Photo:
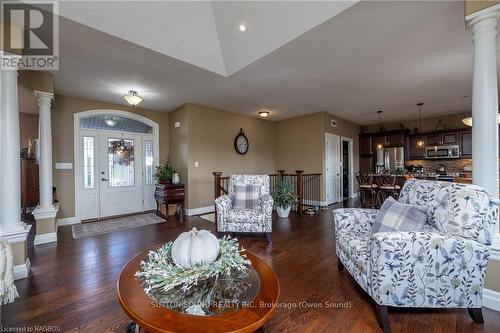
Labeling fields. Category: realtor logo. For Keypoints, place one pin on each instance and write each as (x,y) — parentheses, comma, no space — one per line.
(30,35)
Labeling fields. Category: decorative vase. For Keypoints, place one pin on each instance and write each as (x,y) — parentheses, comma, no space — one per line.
(164,181)
(283,211)
(176,179)
(195,247)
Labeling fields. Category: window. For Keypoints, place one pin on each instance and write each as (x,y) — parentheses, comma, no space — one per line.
(88,162)
(148,162)
(121,162)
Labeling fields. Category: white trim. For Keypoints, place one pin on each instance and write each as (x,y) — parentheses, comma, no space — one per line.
(45,238)
(307,202)
(21,271)
(495,247)
(200,210)
(491,299)
(39,214)
(484,11)
(76,135)
(67,221)
(17,235)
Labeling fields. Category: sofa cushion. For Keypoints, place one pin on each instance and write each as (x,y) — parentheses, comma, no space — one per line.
(244,215)
(396,216)
(246,196)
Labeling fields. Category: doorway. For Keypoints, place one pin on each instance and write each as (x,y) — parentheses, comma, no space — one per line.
(347,168)
(333,191)
(115,156)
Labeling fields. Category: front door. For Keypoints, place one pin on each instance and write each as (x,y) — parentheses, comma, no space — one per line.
(120,173)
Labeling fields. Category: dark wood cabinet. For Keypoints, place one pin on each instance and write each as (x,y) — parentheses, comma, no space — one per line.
(378,141)
(434,139)
(365,145)
(29,184)
(451,138)
(396,139)
(366,164)
(414,151)
(170,194)
(466,144)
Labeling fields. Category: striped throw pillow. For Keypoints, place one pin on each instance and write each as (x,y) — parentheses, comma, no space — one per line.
(246,196)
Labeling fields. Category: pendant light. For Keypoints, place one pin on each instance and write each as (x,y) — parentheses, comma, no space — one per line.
(380,128)
(420,141)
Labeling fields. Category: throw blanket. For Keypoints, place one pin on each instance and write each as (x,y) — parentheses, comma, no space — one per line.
(8,291)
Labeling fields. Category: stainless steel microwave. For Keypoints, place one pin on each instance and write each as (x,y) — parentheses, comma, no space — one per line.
(436,152)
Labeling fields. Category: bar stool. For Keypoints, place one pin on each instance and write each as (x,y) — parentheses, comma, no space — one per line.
(388,186)
(367,189)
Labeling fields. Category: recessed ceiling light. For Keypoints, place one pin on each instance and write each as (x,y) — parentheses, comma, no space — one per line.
(264,114)
(243,28)
(133,98)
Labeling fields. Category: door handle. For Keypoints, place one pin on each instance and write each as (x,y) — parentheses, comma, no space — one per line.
(104,179)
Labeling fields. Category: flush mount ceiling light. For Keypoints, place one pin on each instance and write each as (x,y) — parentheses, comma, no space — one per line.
(133,98)
(243,28)
(264,114)
(468,120)
(110,122)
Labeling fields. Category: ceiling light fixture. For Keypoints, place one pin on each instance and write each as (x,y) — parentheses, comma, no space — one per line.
(133,98)
(243,28)
(420,141)
(468,120)
(380,128)
(264,114)
(110,122)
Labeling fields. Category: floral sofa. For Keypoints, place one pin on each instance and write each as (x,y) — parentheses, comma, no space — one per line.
(230,219)
(443,266)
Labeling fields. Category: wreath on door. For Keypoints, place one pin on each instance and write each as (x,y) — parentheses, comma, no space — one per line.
(122,151)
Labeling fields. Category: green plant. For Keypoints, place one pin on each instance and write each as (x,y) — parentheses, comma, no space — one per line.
(398,171)
(164,171)
(283,195)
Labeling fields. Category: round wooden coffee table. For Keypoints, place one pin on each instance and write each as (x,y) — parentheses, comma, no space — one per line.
(141,309)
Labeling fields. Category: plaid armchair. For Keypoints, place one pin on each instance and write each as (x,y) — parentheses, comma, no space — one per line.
(443,266)
(233,218)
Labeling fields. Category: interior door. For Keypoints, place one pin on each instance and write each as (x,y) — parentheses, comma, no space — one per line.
(333,168)
(120,173)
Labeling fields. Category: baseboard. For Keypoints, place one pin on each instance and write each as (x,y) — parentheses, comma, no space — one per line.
(314,203)
(21,271)
(46,238)
(491,299)
(200,210)
(67,221)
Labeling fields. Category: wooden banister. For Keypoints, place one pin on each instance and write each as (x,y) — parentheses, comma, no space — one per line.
(300,196)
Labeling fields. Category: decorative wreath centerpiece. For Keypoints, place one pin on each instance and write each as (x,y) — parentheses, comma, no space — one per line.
(195,256)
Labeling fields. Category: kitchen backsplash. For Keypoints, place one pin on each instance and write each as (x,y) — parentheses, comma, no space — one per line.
(452,166)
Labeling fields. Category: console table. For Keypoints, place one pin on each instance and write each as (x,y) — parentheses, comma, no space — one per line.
(170,194)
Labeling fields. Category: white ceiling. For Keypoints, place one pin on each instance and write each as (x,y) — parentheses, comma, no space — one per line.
(372,55)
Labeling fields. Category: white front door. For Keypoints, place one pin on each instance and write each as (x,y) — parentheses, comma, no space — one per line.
(120,173)
(332,169)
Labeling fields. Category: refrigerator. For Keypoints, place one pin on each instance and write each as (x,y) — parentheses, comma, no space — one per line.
(389,159)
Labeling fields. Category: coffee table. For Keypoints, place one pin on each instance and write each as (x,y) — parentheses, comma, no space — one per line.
(150,316)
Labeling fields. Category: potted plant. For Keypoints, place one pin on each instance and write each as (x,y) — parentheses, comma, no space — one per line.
(164,173)
(284,198)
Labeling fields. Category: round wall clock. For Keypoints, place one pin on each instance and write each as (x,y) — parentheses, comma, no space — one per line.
(241,143)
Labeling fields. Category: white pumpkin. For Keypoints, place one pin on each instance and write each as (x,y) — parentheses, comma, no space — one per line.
(195,247)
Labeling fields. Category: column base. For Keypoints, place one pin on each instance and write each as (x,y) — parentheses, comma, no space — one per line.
(16,236)
(46,225)
(21,271)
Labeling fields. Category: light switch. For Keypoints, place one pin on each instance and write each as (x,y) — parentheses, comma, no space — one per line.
(195,164)
(177,124)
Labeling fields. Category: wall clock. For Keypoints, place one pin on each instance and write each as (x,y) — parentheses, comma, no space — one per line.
(241,143)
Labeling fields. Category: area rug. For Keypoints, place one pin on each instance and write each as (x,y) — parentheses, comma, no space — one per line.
(106,226)
(209,217)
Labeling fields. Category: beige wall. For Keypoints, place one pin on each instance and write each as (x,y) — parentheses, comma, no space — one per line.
(472,6)
(36,80)
(62,138)
(211,144)
(179,143)
(492,276)
(28,126)
(428,124)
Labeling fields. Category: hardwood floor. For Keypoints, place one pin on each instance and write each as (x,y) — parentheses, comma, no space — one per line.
(72,285)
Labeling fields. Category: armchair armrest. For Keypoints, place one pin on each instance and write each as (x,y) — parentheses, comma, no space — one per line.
(354,219)
(266,203)
(423,269)
(222,205)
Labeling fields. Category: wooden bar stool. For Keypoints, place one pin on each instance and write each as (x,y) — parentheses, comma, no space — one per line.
(388,186)
(367,189)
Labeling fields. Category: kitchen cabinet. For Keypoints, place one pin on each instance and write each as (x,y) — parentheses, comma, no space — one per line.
(451,138)
(378,141)
(365,145)
(366,164)
(434,139)
(415,152)
(466,144)
(396,139)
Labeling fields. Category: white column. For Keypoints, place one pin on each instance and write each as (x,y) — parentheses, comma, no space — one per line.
(11,226)
(45,135)
(485,172)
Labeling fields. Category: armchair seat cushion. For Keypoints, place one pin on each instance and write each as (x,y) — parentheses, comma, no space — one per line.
(244,215)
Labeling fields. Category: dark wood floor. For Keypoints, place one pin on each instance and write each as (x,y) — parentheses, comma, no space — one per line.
(72,284)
